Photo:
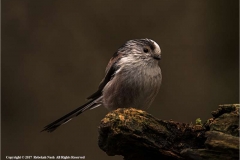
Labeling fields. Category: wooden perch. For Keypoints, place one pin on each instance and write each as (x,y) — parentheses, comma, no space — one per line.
(137,135)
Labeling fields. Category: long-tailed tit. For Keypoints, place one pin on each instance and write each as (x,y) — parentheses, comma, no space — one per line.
(132,79)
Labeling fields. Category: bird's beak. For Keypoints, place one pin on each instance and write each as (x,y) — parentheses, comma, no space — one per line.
(157,56)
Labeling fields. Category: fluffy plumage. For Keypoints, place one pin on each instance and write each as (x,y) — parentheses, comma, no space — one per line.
(132,79)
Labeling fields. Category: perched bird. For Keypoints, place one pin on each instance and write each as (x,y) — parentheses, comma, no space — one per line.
(132,79)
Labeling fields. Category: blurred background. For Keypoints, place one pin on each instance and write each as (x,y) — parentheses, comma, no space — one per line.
(54,55)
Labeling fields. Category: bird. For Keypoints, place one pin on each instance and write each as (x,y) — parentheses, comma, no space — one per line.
(132,80)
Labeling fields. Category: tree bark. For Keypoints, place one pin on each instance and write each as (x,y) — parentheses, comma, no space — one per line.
(135,134)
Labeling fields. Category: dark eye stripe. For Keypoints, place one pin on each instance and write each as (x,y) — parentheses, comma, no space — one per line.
(152,46)
(148,42)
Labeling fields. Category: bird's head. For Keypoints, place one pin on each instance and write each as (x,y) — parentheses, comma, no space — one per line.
(142,48)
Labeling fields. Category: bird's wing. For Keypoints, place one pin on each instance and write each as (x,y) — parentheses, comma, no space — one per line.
(110,72)
(96,98)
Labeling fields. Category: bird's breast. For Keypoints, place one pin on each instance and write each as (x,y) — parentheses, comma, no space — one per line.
(132,87)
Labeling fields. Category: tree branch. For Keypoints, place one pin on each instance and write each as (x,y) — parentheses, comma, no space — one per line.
(135,134)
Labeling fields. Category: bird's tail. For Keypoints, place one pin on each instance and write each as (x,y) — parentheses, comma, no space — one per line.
(89,105)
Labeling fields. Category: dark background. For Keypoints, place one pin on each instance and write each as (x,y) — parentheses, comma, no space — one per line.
(54,54)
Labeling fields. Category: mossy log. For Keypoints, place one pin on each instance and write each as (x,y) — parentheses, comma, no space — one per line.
(137,135)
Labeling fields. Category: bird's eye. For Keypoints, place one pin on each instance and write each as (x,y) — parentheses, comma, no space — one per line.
(145,50)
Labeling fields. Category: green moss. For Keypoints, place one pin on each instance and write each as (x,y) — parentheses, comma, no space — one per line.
(198,121)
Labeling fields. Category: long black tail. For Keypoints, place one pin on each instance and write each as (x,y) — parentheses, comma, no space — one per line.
(89,105)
